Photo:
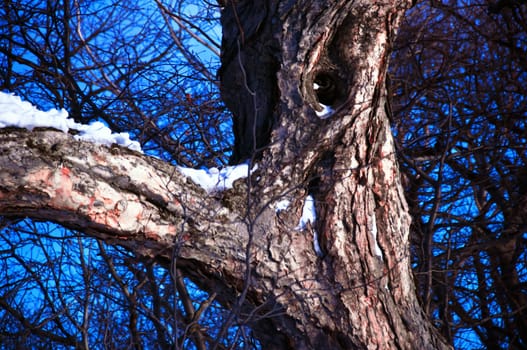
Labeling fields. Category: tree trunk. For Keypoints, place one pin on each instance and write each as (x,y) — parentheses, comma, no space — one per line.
(332,53)
(262,265)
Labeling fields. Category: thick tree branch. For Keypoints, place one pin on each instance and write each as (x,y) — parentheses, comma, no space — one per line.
(118,195)
(147,206)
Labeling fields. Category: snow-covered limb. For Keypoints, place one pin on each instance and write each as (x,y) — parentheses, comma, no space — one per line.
(17,113)
(21,114)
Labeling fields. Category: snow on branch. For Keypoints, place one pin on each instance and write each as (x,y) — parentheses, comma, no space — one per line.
(217,180)
(17,113)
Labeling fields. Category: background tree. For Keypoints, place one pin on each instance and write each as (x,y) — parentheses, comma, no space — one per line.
(459,89)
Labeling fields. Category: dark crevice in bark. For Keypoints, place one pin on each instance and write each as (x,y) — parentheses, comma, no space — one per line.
(249,62)
(320,187)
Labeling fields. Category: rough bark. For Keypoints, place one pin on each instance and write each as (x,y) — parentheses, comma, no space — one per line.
(360,295)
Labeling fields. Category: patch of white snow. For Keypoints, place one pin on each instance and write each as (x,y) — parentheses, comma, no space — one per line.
(21,114)
(282,205)
(325,113)
(309,215)
(217,180)
(316,244)
(378,250)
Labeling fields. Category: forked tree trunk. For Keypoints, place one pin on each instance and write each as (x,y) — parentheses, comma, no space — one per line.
(359,294)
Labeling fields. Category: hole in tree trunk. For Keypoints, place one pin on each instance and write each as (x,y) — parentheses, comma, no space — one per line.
(325,88)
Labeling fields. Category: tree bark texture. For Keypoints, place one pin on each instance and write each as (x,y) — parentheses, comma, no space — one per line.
(360,294)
